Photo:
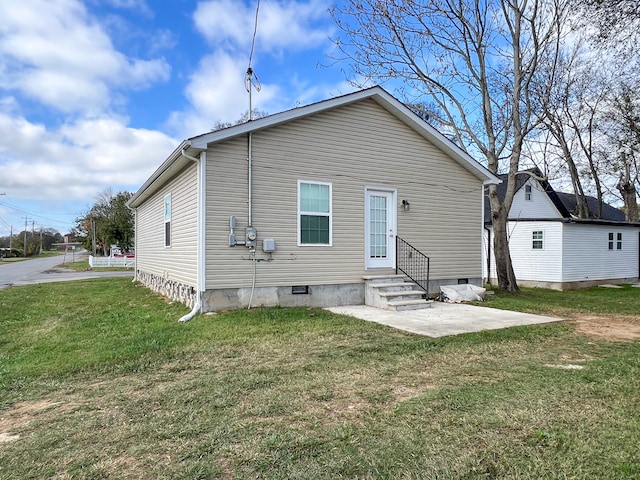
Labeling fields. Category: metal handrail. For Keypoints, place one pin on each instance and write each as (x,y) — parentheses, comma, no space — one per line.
(413,263)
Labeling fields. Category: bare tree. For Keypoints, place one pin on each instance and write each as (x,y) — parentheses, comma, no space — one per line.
(475,60)
(571,112)
(626,127)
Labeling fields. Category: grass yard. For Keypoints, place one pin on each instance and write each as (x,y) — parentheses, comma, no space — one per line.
(99,380)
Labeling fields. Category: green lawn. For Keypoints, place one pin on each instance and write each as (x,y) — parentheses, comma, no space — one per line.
(99,380)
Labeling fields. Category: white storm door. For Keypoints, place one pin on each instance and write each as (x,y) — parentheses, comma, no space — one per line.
(380,229)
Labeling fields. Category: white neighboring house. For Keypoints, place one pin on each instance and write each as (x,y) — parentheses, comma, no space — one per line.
(552,248)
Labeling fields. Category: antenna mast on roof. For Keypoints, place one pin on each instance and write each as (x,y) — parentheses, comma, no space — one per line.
(251,79)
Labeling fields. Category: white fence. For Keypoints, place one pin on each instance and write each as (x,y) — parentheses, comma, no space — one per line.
(125,262)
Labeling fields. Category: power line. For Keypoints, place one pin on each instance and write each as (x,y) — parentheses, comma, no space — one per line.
(20,210)
(255,31)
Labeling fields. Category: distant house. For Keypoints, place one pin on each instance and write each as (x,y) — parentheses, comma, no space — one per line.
(552,248)
(296,208)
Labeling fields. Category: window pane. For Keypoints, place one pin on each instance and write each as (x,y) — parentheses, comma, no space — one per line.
(314,229)
(537,237)
(314,198)
(378,227)
(167,208)
(167,234)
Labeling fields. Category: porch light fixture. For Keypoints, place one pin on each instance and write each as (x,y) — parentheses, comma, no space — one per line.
(406,205)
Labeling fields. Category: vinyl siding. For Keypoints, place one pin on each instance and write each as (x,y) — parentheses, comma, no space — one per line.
(178,262)
(540,206)
(587,255)
(352,147)
(533,265)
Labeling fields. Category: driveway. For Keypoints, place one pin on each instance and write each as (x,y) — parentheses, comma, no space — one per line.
(443,319)
(45,270)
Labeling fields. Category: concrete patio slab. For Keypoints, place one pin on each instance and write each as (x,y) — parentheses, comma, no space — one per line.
(444,319)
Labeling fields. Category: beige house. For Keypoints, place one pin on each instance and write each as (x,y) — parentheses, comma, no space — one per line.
(299,207)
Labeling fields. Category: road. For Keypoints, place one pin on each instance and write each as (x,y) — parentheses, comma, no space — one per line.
(44,270)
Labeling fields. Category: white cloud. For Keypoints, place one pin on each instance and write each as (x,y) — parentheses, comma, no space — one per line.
(215,92)
(65,59)
(139,5)
(77,160)
(290,24)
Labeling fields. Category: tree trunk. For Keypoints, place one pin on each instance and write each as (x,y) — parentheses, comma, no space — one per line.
(504,267)
(629,196)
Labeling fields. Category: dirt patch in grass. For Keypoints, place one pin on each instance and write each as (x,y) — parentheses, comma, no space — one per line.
(22,414)
(619,328)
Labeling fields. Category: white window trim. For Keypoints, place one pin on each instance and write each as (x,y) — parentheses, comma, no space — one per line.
(164,224)
(528,192)
(614,240)
(537,240)
(330,215)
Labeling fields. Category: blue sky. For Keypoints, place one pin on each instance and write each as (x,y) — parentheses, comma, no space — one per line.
(95,94)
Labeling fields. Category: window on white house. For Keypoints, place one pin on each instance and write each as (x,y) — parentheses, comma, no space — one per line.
(537,238)
(527,192)
(167,220)
(314,213)
(610,240)
(619,242)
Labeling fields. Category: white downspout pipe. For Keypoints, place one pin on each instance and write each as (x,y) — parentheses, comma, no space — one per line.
(201,164)
(250,180)
(135,239)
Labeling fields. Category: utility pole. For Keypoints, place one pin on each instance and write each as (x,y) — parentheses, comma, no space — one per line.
(92,226)
(10,237)
(25,237)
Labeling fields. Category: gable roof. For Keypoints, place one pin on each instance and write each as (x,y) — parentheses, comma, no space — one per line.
(178,160)
(565,203)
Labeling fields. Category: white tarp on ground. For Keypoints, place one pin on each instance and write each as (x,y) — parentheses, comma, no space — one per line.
(461,293)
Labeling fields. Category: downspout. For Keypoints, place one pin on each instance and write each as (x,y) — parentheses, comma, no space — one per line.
(485,184)
(250,180)
(135,239)
(488,254)
(201,165)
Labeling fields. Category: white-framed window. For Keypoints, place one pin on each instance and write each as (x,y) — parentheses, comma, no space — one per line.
(167,220)
(314,213)
(615,241)
(537,239)
(527,192)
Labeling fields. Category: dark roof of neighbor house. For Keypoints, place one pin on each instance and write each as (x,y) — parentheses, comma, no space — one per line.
(564,202)
(608,212)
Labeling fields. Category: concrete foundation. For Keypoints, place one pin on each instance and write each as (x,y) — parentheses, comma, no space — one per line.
(571,285)
(169,288)
(434,285)
(317,296)
(234,298)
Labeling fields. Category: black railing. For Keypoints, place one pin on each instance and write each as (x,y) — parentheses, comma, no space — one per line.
(413,263)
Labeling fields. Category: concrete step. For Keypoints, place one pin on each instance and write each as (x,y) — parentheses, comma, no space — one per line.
(403,305)
(393,292)
(376,279)
(398,295)
(393,286)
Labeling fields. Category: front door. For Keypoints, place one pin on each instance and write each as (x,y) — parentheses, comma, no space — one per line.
(380,229)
